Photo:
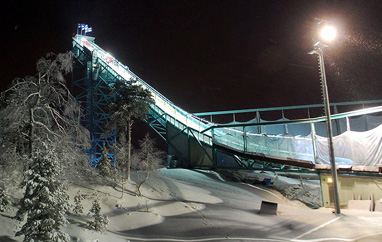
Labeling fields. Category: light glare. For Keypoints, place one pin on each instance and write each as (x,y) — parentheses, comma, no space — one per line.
(328,33)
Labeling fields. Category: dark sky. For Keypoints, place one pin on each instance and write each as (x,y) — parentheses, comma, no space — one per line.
(210,55)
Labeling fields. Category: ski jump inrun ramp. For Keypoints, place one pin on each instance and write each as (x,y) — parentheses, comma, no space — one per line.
(195,142)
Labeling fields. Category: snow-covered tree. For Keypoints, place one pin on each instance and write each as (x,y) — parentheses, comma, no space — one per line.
(4,199)
(41,107)
(11,163)
(78,207)
(147,158)
(120,151)
(104,163)
(132,102)
(100,221)
(40,123)
(38,110)
(45,200)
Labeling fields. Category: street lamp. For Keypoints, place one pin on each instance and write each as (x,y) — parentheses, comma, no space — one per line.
(326,35)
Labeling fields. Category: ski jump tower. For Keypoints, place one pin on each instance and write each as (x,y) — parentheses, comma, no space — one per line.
(195,142)
(180,129)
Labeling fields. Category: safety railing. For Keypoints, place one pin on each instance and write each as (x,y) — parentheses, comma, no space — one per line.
(175,115)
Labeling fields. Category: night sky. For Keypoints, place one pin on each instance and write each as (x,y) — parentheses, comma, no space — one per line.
(210,55)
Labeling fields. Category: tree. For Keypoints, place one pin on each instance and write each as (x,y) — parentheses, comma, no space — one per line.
(120,154)
(46,201)
(4,200)
(132,102)
(40,123)
(148,158)
(104,163)
(42,107)
(78,208)
(100,221)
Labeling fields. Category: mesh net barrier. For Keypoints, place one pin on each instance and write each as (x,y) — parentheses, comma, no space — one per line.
(356,141)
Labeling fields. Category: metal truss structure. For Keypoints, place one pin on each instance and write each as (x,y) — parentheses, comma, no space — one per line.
(93,93)
(192,141)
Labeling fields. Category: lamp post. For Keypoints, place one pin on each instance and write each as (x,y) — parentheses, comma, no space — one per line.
(327,34)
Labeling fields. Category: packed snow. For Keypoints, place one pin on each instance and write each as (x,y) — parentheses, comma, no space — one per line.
(197,205)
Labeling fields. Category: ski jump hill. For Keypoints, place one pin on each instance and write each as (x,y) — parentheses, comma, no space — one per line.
(195,141)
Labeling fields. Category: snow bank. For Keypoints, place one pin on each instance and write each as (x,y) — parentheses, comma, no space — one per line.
(184,205)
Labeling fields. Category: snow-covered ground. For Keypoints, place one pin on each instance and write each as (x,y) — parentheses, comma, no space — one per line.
(186,205)
(303,187)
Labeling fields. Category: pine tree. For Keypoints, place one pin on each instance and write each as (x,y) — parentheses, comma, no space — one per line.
(100,221)
(45,200)
(78,208)
(104,163)
(39,122)
(4,200)
(36,112)
(133,102)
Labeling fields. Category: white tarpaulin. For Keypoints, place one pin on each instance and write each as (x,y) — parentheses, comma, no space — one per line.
(350,147)
(353,148)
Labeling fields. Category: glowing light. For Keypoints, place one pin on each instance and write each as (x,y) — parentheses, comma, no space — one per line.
(330,180)
(328,33)
(86,43)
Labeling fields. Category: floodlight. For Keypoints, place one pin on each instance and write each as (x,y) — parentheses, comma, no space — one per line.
(328,33)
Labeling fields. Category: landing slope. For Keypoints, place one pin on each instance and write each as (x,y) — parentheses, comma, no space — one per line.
(186,205)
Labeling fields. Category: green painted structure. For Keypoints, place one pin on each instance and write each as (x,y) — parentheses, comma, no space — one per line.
(197,140)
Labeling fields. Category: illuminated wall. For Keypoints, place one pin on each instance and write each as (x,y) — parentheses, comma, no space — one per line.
(351,188)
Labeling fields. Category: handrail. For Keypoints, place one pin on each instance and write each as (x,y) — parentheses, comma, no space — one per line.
(285,108)
(101,55)
(297,121)
(99,49)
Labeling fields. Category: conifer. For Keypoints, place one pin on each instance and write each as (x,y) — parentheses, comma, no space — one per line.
(100,221)
(4,200)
